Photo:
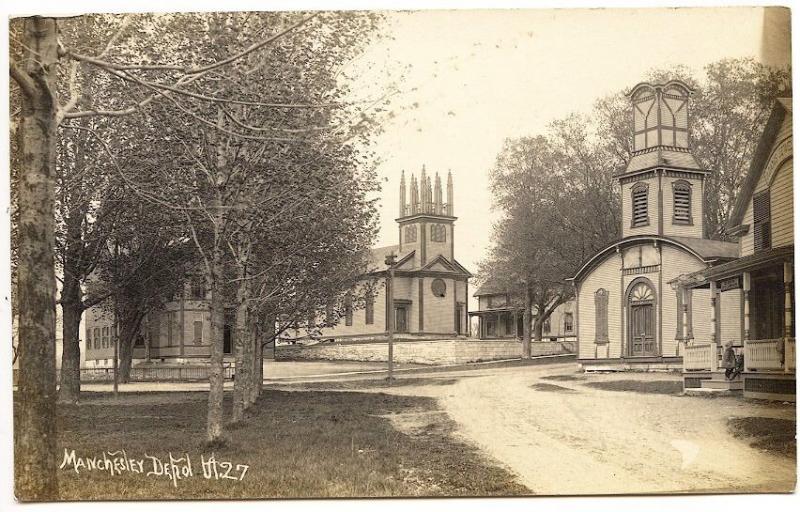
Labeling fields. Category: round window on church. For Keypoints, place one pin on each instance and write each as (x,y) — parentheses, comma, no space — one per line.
(438,288)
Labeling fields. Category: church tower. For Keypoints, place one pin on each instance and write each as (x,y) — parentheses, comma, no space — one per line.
(663,185)
(426,218)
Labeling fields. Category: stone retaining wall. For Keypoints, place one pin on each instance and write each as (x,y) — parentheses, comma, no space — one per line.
(422,352)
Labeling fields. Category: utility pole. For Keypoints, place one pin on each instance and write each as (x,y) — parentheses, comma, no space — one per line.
(390,261)
(116,322)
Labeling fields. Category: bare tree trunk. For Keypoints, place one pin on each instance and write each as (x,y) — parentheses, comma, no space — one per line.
(129,328)
(214,422)
(267,336)
(70,383)
(35,425)
(72,308)
(255,361)
(258,363)
(526,326)
(537,328)
(243,363)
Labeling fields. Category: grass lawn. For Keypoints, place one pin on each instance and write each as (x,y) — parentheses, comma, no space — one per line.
(295,444)
(774,435)
(658,387)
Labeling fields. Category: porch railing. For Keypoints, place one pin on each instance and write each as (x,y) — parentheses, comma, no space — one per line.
(697,357)
(762,355)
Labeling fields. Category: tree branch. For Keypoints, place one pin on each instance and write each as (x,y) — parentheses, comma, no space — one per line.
(24,80)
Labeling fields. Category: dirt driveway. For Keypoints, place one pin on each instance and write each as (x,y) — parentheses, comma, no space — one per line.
(563,436)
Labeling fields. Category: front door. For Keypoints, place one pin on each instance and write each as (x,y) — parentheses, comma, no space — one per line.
(643,342)
(641,321)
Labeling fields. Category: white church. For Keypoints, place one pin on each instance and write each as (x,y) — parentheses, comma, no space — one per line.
(629,315)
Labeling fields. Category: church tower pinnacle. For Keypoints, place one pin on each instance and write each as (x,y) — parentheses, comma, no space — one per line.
(403,193)
(449,209)
(426,220)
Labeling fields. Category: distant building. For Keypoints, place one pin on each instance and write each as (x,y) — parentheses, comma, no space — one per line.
(499,318)
(179,332)
(430,288)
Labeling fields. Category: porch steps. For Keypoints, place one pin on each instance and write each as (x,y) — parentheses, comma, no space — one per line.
(723,383)
(716,385)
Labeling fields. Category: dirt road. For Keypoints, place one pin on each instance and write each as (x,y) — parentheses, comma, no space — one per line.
(562,437)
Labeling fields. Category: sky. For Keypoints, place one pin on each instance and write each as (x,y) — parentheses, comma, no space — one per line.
(479,77)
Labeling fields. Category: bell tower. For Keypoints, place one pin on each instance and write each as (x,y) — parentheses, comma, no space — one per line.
(663,185)
(426,218)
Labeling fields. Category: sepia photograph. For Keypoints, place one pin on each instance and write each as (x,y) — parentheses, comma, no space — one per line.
(285,251)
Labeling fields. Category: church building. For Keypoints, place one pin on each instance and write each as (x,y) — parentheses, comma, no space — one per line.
(629,315)
(423,292)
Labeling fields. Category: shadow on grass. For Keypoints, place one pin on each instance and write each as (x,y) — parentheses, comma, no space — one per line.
(773,435)
(366,383)
(657,387)
(295,443)
(565,378)
(544,386)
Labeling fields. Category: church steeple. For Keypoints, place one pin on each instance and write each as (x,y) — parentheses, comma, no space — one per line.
(426,221)
(663,184)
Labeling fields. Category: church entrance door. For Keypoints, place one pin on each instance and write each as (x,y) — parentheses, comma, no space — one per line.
(641,321)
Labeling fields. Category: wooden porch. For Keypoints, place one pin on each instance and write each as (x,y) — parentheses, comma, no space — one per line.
(769,368)
(500,323)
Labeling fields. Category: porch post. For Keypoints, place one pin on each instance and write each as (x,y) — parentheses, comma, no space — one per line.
(787,309)
(787,299)
(684,317)
(713,326)
(746,294)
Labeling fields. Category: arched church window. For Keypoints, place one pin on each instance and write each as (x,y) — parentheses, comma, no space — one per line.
(601,316)
(411,233)
(438,233)
(639,215)
(681,202)
(438,288)
(641,292)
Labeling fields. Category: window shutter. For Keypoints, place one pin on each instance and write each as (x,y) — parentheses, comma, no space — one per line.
(761,221)
(348,311)
(369,309)
(601,316)
(682,203)
(640,206)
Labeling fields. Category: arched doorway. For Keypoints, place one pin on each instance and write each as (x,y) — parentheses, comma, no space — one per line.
(641,319)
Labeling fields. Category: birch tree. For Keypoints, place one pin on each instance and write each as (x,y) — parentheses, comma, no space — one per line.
(37,55)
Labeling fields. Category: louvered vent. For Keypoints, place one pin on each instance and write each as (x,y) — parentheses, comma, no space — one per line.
(761,224)
(682,201)
(640,206)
